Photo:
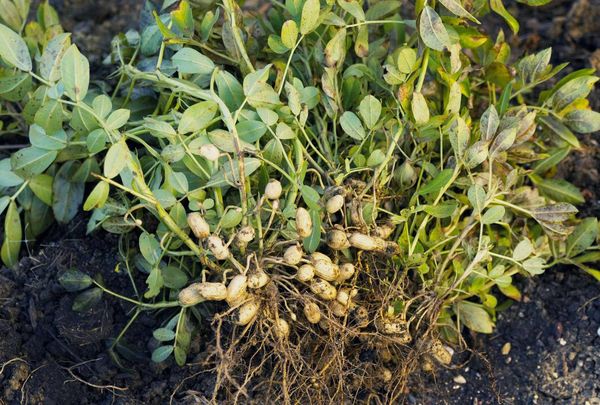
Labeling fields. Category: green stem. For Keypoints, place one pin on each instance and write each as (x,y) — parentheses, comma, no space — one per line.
(167,304)
(423,71)
(287,65)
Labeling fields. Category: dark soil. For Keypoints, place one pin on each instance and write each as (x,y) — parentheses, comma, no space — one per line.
(50,354)
(55,355)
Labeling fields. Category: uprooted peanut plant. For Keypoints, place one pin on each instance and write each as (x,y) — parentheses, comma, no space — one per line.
(339,188)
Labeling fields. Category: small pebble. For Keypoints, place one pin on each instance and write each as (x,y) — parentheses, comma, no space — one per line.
(459,379)
(506,348)
(562,341)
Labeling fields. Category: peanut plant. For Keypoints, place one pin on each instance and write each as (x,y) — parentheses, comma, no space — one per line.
(323,178)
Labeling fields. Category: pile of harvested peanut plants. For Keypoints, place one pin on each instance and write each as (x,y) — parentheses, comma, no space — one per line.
(337,187)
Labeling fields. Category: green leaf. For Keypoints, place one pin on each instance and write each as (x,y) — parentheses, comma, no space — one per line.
(354,8)
(311,242)
(67,196)
(311,197)
(310,16)
(150,248)
(97,197)
(556,156)
(492,215)
(161,353)
(231,218)
(13,49)
(74,280)
(224,140)
(583,121)
(52,56)
(432,30)
(7,177)
(154,282)
(474,317)
(116,159)
(523,250)
(442,210)
(190,61)
(420,109)
(229,90)
(534,265)
(197,117)
(96,140)
(50,116)
(268,116)
(13,233)
(578,87)
(39,138)
(229,174)
(250,131)
(376,158)
(498,7)
(503,141)
(41,185)
(15,87)
(370,110)
(159,129)
(75,72)
(163,334)
(582,237)
(456,8)
(276,44)
(477,197)
(87,299)
(289,33)
(174,277)
(178,182)
(459,135)
(489,123)
(352,126)
(438,183)
(117,119)
(102,105)
(407,59)
(4,201)
(561,130)
(30,161)
(283,131)
(558,190)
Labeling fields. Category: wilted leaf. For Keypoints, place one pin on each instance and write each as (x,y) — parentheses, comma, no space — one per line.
(474,317)
(74,280)
(87,300)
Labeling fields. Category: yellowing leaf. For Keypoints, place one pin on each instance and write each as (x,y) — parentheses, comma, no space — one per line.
(310,16)
(432,30)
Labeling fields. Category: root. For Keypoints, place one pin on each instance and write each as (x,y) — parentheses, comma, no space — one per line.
(111,388)
(340,359)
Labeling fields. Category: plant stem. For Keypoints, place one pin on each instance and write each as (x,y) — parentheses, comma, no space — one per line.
(423,71)
(167,304)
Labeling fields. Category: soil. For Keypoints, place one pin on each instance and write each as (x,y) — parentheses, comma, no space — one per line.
(50,354)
